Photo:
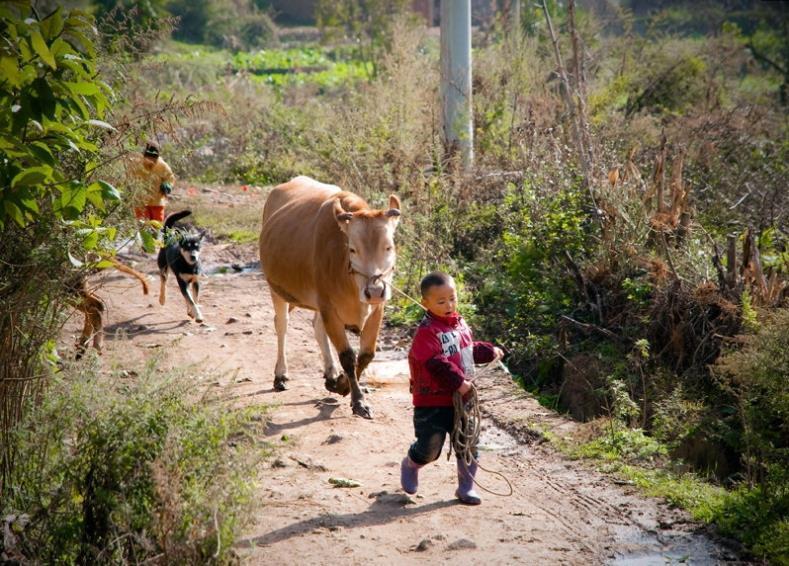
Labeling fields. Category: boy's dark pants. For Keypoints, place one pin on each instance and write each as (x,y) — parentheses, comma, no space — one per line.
(431,426)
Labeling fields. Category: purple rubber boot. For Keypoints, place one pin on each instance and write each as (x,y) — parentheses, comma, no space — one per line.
(409,475)
(465,491)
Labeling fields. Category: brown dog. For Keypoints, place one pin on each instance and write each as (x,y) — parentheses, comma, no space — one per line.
(91,305)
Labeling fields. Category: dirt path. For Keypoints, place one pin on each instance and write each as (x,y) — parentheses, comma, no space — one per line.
(560,512)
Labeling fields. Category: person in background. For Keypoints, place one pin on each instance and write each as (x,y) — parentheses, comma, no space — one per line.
(155,182)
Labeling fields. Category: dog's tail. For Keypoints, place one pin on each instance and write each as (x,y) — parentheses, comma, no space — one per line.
(134,273)
(175,217)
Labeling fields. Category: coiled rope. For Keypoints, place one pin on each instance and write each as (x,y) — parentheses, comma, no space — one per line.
(465,434)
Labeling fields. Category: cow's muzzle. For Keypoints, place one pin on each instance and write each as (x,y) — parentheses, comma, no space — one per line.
(376,290)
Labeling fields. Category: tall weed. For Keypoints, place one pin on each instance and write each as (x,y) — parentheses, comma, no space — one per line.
(120,471)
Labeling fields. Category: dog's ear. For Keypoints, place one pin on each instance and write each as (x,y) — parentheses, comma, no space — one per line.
(201,234)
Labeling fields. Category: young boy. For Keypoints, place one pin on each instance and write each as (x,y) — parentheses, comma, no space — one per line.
(156,180)
(441,361)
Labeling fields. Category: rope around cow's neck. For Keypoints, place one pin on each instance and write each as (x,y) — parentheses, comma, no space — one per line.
(465,434)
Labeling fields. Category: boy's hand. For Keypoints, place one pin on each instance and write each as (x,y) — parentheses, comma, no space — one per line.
(498,353)
(465,387)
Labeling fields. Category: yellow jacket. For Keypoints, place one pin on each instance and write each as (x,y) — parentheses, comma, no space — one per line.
(146,177)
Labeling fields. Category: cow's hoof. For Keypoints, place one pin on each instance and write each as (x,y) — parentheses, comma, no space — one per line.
(280,383)
(340,384)
(343,385)
(361,410)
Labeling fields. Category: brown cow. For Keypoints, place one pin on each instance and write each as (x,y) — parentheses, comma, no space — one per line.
(326,250)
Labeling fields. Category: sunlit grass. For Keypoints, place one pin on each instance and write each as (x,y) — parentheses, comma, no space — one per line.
(308,64)
(753,515)
(238,223)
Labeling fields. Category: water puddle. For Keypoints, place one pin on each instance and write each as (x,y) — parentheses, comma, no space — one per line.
(495,439)
(233,268)
(638,547)
(388,369)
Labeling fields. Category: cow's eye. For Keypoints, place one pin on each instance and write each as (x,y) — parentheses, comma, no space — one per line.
(352,250)
(389,248)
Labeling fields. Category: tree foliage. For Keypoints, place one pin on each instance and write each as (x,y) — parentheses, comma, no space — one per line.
(51,206)
(54,107)
(369,23)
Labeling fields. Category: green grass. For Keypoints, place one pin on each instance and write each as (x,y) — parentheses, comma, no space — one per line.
(624,444)
(755,516)
(305,65)
(243,236)
(322,66)
(240,224)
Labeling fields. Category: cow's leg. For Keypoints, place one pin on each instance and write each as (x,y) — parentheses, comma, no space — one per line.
(331,381)
(281,326)
(336,331)
(368,339)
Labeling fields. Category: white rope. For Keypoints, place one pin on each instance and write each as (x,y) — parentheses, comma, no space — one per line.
(465,434)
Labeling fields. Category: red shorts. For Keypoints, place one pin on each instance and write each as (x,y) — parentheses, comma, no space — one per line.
(150,213)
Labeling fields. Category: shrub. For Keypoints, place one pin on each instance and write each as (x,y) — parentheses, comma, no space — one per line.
(524,286)
(119,471)
(756,377)
(52,205)
(231,24)
(759,516)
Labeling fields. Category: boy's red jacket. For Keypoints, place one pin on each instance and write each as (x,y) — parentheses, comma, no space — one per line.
(442,355)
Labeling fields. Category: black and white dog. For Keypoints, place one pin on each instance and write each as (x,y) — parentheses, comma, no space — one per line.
(181,255)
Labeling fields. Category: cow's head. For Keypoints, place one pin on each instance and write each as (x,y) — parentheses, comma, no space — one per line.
(371,248)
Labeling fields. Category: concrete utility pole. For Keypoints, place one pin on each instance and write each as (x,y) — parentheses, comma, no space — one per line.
(457,124)
(515,17)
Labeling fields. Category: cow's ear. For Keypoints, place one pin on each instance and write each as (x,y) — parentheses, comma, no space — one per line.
(342,216)
(394,209)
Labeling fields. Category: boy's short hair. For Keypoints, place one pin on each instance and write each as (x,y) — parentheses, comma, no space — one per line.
(151,149)
(434,279)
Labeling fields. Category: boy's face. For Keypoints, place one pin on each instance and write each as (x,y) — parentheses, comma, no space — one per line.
(441,300)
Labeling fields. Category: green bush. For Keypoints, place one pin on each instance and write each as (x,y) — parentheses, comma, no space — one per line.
(524,287)
(53,207)
(119,471)
(230,24)
(756,377)
(759,516)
